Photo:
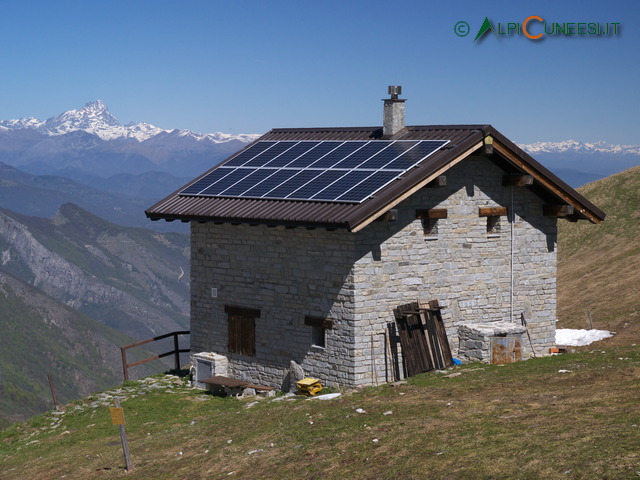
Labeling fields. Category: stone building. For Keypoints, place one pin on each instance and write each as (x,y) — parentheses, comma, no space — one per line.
(314,278)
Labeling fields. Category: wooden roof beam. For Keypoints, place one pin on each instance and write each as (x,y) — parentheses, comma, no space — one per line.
(558,210)
(439,181)
(517,180)
(432,213)
(390,215)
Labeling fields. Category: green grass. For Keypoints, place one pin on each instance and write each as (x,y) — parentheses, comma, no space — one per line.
(523,420)
(599,265)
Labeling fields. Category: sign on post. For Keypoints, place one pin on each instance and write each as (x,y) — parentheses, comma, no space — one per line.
(117,418)
(117,415)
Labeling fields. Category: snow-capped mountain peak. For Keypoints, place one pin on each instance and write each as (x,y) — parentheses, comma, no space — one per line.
(96,119)
(573,146)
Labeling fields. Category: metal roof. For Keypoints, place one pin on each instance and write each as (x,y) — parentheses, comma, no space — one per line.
(463,140)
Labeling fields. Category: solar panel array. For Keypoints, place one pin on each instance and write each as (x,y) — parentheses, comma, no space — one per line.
(328,171)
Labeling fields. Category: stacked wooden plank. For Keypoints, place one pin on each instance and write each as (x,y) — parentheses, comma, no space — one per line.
(423,337)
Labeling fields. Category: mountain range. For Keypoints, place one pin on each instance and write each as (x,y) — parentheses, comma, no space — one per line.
(42,336)
(579,163)
(89,143)
(92,141)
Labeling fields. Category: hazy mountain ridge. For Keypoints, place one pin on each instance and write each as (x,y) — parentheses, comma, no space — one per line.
(120,199)
(134,280)
(578,163)
(42,336)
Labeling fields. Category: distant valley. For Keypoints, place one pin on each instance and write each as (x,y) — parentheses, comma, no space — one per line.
(134,280)
(73,289)
(42,336)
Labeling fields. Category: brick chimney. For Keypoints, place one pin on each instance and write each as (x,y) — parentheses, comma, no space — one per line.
(393,112)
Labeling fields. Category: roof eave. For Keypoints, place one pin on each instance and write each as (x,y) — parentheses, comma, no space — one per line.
(246,221)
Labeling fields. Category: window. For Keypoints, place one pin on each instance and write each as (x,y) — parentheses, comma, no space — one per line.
(493,224)
(430,219)
(318,336)
(430,227)
(319,327)
(493,215)
(242,329)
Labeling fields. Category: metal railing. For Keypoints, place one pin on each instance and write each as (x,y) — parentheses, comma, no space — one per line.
(176,351)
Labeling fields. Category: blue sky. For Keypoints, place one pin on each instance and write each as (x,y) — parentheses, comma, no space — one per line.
(248,66)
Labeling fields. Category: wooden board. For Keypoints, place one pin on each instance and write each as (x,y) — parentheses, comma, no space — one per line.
(413,340)
(423,338)
(233,382)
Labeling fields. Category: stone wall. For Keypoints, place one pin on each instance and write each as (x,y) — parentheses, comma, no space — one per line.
(468,270)
(287,274)
(358,278)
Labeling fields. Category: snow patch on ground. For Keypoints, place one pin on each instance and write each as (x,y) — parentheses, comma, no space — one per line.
(578,338)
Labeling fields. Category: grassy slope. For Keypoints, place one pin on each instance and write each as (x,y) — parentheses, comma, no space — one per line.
(599,265)
(524,420)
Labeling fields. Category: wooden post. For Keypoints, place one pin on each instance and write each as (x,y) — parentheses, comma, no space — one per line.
(125,368)
(590,319)
(524,323)
(177,350)
(53,391)
(374,374)
(123,438)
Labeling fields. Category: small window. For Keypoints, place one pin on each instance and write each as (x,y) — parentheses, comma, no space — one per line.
(242,329)
(493,216)
(318,336)
(430,220)
(493,224)
(319,327)
(430,227)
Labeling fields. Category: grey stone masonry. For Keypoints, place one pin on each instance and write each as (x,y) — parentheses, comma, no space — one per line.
(356,279)
(287,274)
(475,339)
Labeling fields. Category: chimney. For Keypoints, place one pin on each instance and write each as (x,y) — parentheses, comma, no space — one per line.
(393,112)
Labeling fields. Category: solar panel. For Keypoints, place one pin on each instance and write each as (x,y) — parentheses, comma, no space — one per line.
(248,154)
(314,154)
(327,171)
(268,155)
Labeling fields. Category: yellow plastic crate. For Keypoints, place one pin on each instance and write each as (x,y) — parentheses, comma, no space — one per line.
(309,386)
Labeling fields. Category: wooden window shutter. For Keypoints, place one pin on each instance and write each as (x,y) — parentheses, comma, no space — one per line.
(242,330)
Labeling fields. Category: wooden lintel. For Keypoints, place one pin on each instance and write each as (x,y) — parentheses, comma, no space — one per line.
(388,216)
(431,213)
(517,180)
(557,210)
(439,181)
(493,211)
(319,322)
(246,312)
